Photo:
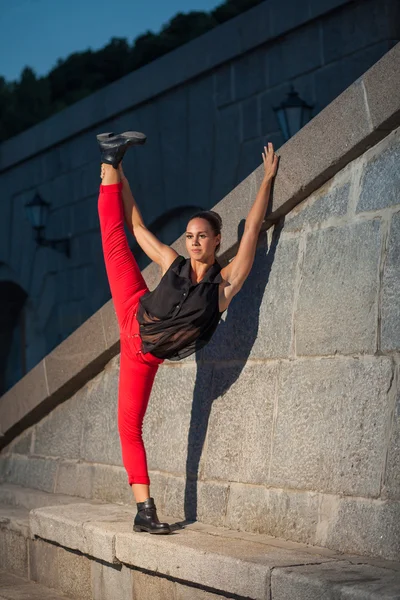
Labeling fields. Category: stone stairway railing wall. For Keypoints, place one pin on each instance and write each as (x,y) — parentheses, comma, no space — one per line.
(288,422)
(207,109)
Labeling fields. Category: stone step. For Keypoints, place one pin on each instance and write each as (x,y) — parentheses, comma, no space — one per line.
(16,495)
(13,587)
(89,551)
(216,559)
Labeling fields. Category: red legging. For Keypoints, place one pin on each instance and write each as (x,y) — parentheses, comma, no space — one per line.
(137,370)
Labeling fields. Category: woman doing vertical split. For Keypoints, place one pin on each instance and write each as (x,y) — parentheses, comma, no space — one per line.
(180,315)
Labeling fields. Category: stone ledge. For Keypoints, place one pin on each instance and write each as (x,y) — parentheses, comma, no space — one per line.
(233,38)
(211,557)
(360,117)
(13,587)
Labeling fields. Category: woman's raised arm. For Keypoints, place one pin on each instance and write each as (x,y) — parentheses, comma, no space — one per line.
(160,253)
(236,272)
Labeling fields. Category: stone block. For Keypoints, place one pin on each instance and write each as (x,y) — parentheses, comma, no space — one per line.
(226,143)
(59,434)
(251,120)
(171,431)
(332,79)
(355,27)
(75,356)
(335,413)
(281,513)
(89,528)
(191,499)
(110,484)
(382,89)
(36,473)
(55,567)
(339,579)
(391,482)
(111,581)
(13,553)
(233,429)
(337,305)
(100,442)
(110,324)
(380,183)
(369,528)
(223,85)
(232,566)
(303,44)
(185,592)
(329,201)
(200,124)
(283,19)
(258,322)
(172,114)
(21,444)
(308,161)
(75,479)
(150,586)
(250,74)
(250,157)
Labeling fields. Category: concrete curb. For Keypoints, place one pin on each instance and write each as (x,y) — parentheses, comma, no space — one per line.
(362,115)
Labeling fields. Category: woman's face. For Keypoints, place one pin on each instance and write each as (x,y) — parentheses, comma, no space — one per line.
(201,240)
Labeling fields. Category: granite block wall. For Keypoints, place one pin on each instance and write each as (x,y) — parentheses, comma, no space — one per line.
(288,422)
(207,115)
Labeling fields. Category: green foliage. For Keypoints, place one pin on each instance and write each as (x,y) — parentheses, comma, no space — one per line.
(30,99)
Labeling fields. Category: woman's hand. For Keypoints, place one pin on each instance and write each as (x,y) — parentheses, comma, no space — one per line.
(270,160)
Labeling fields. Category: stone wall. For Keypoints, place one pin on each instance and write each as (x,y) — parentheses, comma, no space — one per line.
(288,422)
(207,110)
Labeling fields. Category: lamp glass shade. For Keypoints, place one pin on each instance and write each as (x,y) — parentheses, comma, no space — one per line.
(37,211)
(292,114)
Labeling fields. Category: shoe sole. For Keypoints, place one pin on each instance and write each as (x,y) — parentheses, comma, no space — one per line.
(139,528)
(134,137)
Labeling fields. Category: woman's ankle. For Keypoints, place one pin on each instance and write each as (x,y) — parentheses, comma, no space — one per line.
(109,174)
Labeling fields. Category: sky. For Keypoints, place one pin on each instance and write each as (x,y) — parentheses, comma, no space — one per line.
(36,33)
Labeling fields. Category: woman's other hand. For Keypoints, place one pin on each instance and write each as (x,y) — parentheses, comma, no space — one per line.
(270,160)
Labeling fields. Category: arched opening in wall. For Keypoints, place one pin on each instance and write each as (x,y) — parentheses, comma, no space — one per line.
(167,228)
(13,360)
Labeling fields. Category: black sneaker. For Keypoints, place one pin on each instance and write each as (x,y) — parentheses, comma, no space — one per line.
(113,146)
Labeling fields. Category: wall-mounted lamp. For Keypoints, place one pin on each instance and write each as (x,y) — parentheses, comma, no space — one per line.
(37,211)
(292,114)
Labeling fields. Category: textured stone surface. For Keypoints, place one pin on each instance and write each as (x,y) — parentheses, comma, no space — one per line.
(19,588)
(37,473)
(356,527)
(13,552)
(169,425)
(60,433)
(239,433)
(191,499)
(61,569)
(152,587)
(232,566)
(258,322)
(319,207)
(337,305)
(100,442)
(332,581)
(391,484)
(390,308)
(380,184)
(284,514)
(335,414)
(89,528)
(111,582)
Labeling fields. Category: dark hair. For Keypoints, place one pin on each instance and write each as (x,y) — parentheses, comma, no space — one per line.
(213,219)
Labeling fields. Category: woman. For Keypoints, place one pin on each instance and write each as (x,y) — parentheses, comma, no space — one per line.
(180,315)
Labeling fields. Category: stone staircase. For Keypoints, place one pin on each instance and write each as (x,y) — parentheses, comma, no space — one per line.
(87,550)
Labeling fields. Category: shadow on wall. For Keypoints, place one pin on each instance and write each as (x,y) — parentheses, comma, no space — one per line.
(233,340)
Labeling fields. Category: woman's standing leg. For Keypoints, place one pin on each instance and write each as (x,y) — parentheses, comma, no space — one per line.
(127,285)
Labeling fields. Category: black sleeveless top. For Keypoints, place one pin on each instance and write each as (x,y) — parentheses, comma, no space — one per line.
(179,316)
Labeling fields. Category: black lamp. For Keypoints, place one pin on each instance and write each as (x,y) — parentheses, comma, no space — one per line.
(292,114)
(37,211)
